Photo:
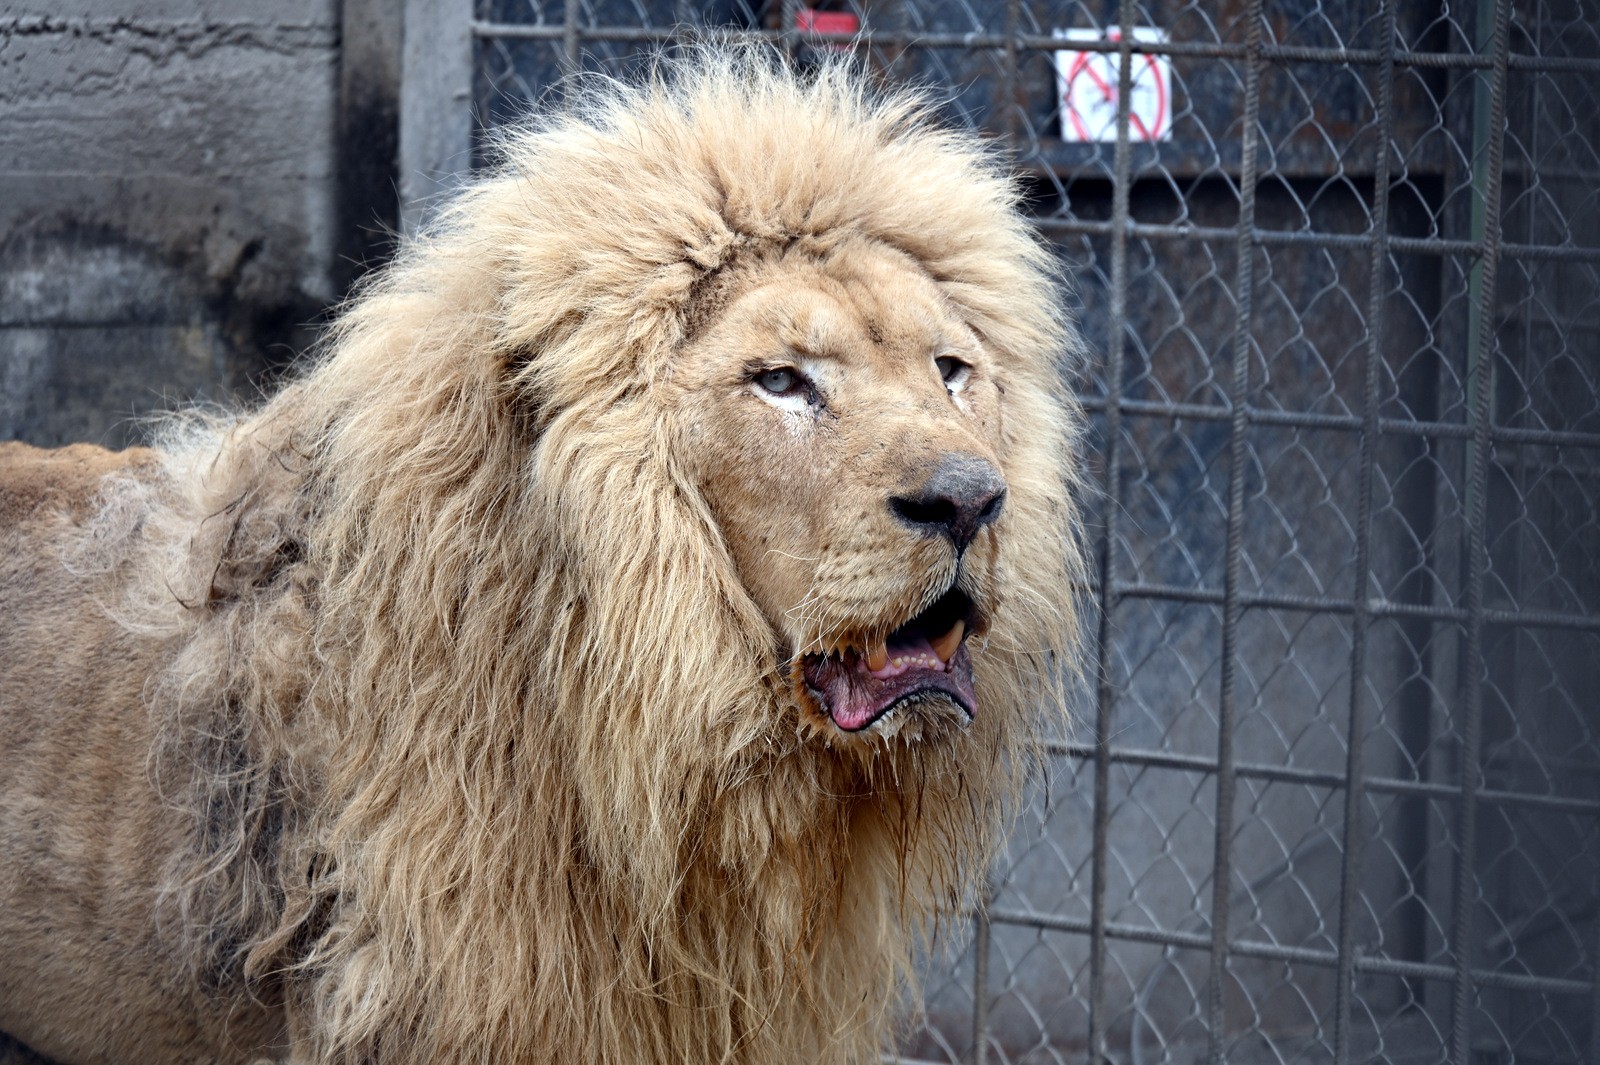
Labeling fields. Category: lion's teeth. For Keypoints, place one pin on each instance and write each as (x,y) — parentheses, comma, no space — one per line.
(877,656)
(945,646)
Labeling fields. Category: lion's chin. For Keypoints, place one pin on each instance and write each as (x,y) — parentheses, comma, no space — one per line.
(922,669)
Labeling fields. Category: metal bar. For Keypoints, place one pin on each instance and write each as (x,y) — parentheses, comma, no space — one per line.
(569,37)
(1361,616)
(979,1054)
(1105,693)
(980,982)
(1232,607)
(1594,1001)
(1178,593)
(788,36)
(1480,375)
(1010,75)
(1274,53)
(1252,948)
(1315,778)
(1315,239)
(1379,607)
(1309,420)
(1561,253)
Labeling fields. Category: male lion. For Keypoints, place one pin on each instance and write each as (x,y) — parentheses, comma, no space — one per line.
(621,645)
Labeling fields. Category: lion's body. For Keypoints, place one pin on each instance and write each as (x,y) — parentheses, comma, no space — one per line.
(451,706)
(85,846)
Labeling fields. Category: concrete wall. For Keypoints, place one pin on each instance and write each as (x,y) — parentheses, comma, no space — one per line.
(178,198)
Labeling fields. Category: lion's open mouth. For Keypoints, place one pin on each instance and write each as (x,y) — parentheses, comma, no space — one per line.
(924,659)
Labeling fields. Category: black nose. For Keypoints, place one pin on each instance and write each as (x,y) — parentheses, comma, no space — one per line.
(964,494)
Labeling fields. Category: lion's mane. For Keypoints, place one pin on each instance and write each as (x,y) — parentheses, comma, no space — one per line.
(474,720)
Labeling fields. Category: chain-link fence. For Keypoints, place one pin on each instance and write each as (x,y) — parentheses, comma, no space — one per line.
(1335,793)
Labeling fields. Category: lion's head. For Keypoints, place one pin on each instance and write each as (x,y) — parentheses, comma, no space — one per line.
(650,599)
(832,333)
(843,423)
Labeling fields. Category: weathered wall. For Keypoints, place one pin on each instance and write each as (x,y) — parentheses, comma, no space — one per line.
(172,220)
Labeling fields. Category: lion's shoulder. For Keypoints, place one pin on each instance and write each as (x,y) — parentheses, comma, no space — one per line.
(35,481)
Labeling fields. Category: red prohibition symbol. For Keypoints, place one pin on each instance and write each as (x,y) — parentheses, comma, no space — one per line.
(1105,83)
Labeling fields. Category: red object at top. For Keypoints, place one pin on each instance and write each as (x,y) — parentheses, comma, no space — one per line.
(814,21)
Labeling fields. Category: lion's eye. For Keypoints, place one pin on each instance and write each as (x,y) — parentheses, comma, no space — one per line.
(952,369)
(781,381)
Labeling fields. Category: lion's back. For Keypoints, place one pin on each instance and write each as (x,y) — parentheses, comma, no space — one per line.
(33,479)
(83,837)
(49,627)
(52,635)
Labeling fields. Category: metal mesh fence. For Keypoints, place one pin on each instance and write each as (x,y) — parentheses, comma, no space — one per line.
(1335,792)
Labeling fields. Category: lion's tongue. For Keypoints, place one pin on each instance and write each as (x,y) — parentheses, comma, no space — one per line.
(856,695)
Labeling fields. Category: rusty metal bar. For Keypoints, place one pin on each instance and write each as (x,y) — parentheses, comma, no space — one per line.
(1362,614)
(570,30)
(1232,606)
(980,981)
(1105,692)
(1010,75)
(1480,376)
(979,1054)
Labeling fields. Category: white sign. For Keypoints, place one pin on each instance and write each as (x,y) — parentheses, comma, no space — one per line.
(1087,84)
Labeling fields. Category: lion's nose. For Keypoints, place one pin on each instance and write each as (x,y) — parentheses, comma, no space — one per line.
(964,494)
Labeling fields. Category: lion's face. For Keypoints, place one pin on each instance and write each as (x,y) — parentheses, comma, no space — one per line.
(844,427)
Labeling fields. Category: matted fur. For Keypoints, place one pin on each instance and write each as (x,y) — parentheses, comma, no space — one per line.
(489,754)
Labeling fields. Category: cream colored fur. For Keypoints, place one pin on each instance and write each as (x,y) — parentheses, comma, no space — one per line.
(463,665)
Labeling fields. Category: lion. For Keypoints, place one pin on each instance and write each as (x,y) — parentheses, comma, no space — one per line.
(623,641)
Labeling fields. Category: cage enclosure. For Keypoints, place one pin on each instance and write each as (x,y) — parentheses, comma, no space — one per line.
(1333,793)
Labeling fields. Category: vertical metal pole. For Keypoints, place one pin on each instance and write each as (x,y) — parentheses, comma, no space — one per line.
(1594,998)
(569,38)
(1232,605)
(435,104)
(1528,680)
(1482,105)
(980,980)
(1479,380)
(1105,695)
(1009,75)
(1354,768)
(789,11)
(980,974)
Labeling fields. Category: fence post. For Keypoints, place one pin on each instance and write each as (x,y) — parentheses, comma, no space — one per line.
(435,104)
(1361,595)
(1233,605)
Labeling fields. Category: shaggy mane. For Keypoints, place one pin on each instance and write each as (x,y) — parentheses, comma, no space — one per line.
(474,720)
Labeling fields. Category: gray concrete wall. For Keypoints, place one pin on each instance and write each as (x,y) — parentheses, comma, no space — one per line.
(172,216)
